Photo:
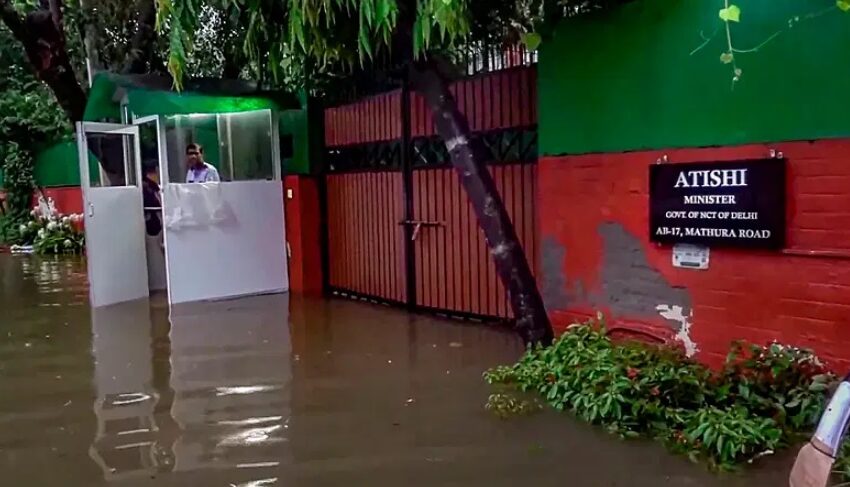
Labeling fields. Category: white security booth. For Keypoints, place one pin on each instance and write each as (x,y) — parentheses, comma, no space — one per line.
(218,239)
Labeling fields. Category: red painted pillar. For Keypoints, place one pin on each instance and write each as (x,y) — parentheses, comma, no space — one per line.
(301,197)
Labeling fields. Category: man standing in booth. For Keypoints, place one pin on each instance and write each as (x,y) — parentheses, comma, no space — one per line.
(199,171)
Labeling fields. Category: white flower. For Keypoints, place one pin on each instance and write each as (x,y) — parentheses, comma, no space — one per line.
(32,224)
(66,220)
(33,212)
(67,243)
(41,233)
(23,228)
(52,226)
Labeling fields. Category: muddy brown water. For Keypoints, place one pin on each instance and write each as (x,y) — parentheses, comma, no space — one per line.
(274,391)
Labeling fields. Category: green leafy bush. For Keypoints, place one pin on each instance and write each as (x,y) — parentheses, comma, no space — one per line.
(762,399)
(30,118)
(506,405)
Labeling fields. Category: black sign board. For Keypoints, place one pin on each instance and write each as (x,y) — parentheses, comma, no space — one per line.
(730,204)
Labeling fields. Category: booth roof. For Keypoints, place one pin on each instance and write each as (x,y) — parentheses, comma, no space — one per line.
(153,95)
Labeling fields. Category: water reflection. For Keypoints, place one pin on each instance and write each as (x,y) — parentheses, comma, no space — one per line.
(226,403)
(273,391)
(231,379)
(126,441)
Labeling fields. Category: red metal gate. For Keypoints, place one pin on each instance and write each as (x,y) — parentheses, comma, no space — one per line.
(454,271)
(400,228)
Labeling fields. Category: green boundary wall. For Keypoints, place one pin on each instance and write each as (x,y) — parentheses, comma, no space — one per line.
(628,79)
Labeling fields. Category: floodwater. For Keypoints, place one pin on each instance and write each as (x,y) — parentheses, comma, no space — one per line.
(275,391)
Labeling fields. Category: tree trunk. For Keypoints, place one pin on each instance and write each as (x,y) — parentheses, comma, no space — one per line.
(44,43)
(532,322)
(88,32)
(139,59)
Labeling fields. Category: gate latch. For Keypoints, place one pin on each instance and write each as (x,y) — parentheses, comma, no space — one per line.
(418,226)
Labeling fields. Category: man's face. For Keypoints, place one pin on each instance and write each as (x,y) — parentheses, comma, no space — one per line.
(194,157)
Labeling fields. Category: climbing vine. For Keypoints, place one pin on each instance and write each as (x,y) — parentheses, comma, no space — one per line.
(731,14)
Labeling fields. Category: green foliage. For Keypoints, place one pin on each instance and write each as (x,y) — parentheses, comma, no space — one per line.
(59,236)
(727,437)
(333,34)
(531,40)
(507,405)
(761,400)
(842,463)
(732,13)
(316,39)
(29,117)
(777,381)
(18,185)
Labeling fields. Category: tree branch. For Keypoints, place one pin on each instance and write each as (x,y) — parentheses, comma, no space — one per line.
(142,43)
(44,43)
(13,20)
(55,7)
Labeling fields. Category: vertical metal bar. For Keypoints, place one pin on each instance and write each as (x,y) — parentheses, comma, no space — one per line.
(445,174)
(418,248)
(229,124)
(479,273)
(274,134)
(371,181)
(379,256)
(353,226)
(346,208)
(432,196)
(463,240)
(491,110)
(426,242)
(366,225)
(386,230)
(399,263)
(360,225)
(407,191)
(519,216)
(324,248)
(375,239)
(392,221)
(331,242)
(325,232)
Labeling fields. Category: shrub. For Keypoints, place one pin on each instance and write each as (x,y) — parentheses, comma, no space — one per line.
(763,398)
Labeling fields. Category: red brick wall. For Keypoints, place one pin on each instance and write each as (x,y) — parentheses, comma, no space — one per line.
(595,254)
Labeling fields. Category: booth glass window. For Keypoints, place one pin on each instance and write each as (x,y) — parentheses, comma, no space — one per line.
(247,147)
(112,160)
(239,145)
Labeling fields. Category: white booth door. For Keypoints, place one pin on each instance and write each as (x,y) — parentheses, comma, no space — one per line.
(224,240)
(114,220)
